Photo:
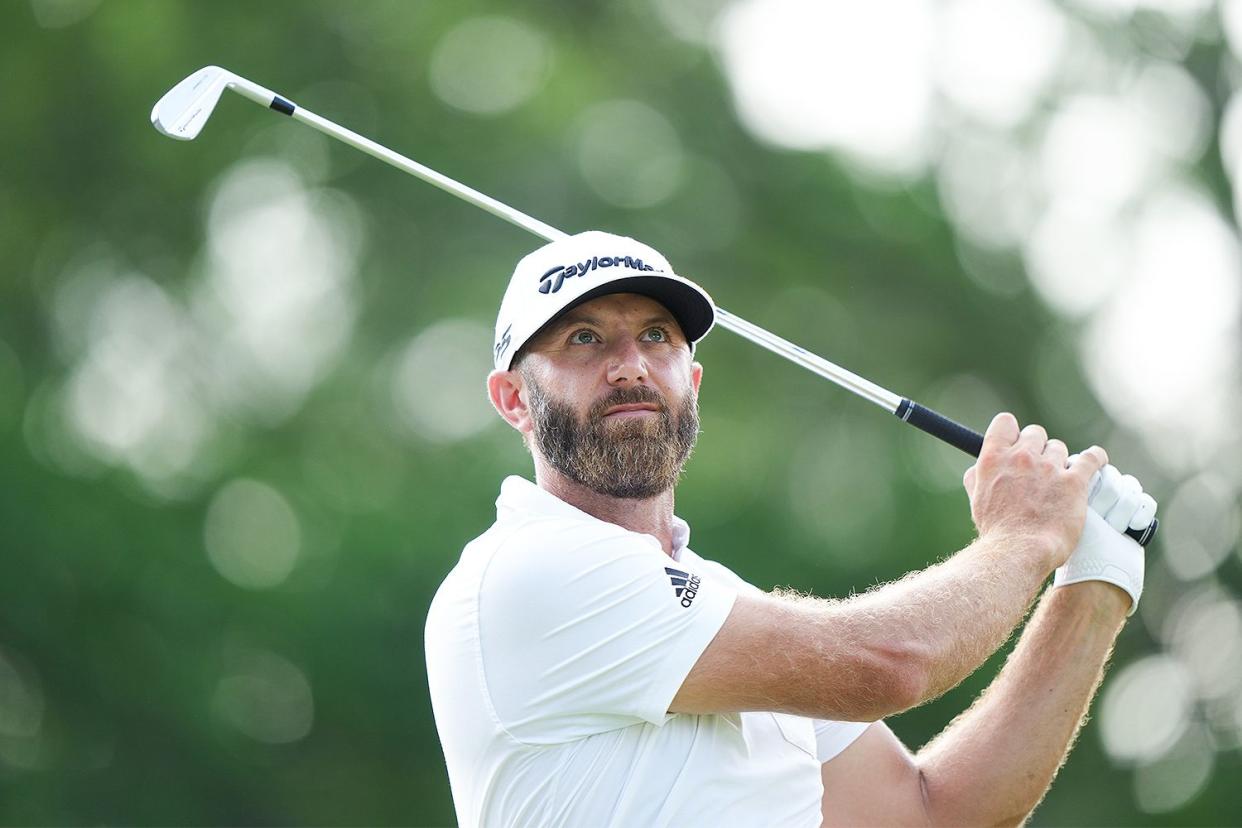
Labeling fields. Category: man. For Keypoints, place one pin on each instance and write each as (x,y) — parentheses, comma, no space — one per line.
(587,668)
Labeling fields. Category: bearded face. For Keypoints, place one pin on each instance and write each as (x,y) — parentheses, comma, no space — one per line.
(634,458)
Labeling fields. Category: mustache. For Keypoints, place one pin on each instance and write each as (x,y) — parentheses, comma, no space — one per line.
(635,394)
(633,459)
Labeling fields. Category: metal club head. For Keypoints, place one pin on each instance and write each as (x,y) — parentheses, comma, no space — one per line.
(184,109)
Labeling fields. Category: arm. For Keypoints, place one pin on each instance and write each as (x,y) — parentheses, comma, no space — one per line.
(897,646)
(870,656)
(994,763)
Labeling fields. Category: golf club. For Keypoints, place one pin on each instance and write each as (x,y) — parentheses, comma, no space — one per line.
(184,109)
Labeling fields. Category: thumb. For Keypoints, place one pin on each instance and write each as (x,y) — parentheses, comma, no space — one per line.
(1001,434)
(968,481)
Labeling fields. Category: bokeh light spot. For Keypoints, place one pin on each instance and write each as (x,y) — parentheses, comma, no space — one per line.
(1176,778)
(1201,525)
(1076,261)
(995,56)
(1206,636)
(1095,155)
(853,77)
(629,153)
(277,305)
(439,381)
(1145,709)
(490,65)
(252,535)
(265,697)
(987,188)
(1162,352)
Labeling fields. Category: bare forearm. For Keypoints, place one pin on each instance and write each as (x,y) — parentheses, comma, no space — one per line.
(994,763)
(943,622)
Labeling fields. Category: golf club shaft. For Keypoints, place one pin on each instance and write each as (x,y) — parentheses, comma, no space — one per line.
(429,175)
(846,379)
(919,416)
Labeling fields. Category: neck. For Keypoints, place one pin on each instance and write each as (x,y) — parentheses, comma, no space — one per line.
(651,516)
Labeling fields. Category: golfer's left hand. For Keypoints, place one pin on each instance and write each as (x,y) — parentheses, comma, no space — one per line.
(1119,499)
(1117,502)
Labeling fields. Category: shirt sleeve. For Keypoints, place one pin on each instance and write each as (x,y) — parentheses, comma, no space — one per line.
(833,737)
(585,629)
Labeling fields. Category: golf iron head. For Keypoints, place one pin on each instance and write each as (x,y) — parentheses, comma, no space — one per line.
(184,109)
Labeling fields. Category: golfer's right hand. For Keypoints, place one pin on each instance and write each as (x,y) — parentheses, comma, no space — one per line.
(1023,486)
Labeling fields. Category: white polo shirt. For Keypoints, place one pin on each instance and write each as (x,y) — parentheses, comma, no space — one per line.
(554,649)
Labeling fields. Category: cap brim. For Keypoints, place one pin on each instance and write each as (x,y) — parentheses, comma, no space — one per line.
(689,305)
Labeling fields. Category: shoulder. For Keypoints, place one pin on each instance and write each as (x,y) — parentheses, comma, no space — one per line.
(527,556)
(693,562)
(559,551)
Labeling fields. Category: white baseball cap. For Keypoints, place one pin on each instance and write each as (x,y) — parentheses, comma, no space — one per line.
(565,273)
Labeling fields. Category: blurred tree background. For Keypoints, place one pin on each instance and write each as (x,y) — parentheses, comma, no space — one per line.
(243,429)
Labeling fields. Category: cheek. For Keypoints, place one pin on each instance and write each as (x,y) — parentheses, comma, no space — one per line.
(678,380)
(582,395)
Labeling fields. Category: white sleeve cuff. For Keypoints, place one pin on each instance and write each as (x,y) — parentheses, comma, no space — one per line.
(712,607)
(833,737)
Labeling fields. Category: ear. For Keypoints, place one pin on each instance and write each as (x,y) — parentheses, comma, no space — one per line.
(696,376)
(505,390)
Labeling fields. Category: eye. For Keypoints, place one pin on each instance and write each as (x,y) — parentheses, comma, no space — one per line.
(583,337)
(657,335)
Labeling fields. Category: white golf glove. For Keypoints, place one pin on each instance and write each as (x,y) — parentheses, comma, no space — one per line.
(1119,499)
(1116,502)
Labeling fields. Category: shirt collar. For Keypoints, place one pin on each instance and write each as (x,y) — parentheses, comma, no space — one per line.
(517,494)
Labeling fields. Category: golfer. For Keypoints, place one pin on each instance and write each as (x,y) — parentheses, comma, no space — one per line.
(587,668)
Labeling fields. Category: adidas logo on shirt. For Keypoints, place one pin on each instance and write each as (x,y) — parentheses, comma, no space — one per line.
(685,585)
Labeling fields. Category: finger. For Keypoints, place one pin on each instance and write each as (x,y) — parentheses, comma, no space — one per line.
(1033,438)
(968,481)
(1056,451)
(1145,513)
(1089,462)
(1130,492)
(1106,494)
(1001,434)
(1094,485)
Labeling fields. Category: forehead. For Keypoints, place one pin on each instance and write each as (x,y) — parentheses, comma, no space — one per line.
(617,307)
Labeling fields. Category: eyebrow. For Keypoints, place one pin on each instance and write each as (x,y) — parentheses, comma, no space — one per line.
(573,318)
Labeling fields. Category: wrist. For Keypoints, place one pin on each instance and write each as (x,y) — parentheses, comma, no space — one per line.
(1106,556)
(1100,601)
(1040,550)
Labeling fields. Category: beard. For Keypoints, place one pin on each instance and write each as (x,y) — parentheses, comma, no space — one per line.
(635,458)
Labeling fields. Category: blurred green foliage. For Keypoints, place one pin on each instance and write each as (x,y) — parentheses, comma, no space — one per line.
(109,605)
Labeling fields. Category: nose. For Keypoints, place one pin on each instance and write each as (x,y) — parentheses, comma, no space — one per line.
(626,365)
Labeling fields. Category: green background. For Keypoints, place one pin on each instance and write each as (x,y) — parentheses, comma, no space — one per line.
(109,605)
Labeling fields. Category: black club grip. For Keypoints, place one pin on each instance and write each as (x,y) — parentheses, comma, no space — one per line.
(971,442)
(938,425)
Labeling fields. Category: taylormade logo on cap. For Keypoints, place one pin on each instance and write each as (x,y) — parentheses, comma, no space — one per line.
(551,281)
(576,269)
